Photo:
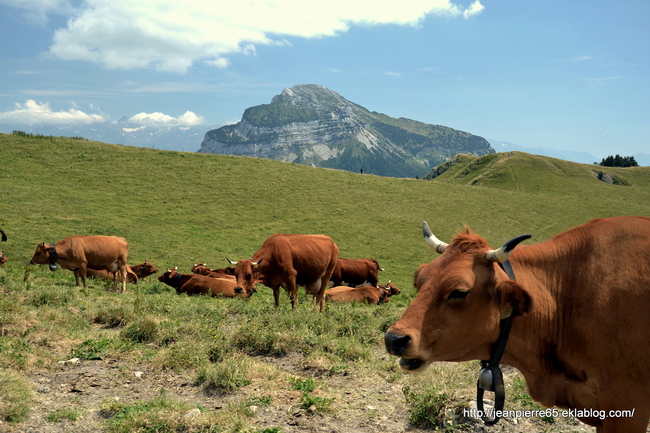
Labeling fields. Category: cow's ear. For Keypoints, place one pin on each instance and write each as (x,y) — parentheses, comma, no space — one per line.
(510,294)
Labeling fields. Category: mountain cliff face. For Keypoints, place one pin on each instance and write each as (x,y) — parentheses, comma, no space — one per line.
(312,125)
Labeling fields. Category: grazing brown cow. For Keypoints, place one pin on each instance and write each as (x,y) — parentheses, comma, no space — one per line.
(195,284)
(202,269)
(355,272)
(78,253)
(362,295)
(289,261)
(579,306)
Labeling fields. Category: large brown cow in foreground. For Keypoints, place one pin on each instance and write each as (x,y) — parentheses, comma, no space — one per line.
(362,295)
(581,329)
(78,253)
(355,272)
(289,261)
(195,284)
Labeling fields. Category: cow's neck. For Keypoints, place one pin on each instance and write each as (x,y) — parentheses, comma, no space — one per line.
(538,333)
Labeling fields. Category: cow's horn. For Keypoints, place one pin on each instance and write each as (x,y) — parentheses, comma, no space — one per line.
(501,255)
(431,239)
(230,261)
(258,262)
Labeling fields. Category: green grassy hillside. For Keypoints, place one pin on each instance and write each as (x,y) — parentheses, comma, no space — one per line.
(178,208)
(175,208)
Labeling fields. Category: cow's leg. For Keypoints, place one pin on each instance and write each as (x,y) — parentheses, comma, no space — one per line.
(83,272)
(276,295)
(320,296)
(123,274)
(292,288)
(76,276)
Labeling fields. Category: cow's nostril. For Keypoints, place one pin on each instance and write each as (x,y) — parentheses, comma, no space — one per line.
(239,290)
(396,343)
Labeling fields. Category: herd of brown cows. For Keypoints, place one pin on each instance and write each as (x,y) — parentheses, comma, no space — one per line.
(284,260)
(577,305)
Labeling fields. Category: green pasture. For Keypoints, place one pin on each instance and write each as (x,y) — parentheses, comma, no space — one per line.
(177,208)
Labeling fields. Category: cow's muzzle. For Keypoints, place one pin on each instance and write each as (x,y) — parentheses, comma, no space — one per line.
(396,344)
(239,290)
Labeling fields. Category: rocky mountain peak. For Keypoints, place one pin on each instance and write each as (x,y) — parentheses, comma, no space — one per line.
(310,95)
(313,125)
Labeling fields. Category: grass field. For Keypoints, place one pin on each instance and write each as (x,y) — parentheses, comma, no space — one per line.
(176,209)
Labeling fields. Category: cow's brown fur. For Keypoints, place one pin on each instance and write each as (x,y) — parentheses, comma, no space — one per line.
(580,332)
(289,261)
(201,269)
(362,295)
(134,273)
(355,272)
(195,284)
(79,253)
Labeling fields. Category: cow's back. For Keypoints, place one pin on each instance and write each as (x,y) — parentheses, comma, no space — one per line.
(98,250)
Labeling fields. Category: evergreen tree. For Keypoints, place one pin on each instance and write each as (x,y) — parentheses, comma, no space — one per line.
(619,161)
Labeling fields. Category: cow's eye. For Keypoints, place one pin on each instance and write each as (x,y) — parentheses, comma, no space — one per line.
(457,294)
(249,276)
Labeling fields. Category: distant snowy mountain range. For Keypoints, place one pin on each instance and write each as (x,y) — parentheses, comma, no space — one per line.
(180,138)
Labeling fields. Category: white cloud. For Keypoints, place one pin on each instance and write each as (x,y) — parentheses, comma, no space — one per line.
(160,119)
(33,112)
(474,9)
(170,35)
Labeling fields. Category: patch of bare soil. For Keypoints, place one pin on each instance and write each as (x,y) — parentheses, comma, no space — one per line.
(361,404)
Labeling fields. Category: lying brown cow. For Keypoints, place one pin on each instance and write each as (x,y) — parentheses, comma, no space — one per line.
(134,273)
(194,284)
(289,261)
(202,269)
(578,306)
(355,272)
(78,253)
(362,295)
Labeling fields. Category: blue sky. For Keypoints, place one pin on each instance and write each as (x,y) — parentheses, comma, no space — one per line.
(557,74)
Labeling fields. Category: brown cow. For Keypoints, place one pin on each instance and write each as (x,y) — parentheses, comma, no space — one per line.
(202,269)
(355,272)
(195,284)
(289,261)
(134,273)
(3,258)
(362,295)
(580,324)
(78,253)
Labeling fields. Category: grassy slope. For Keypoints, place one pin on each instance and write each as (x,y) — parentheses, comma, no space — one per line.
(175,208)
(178,208)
